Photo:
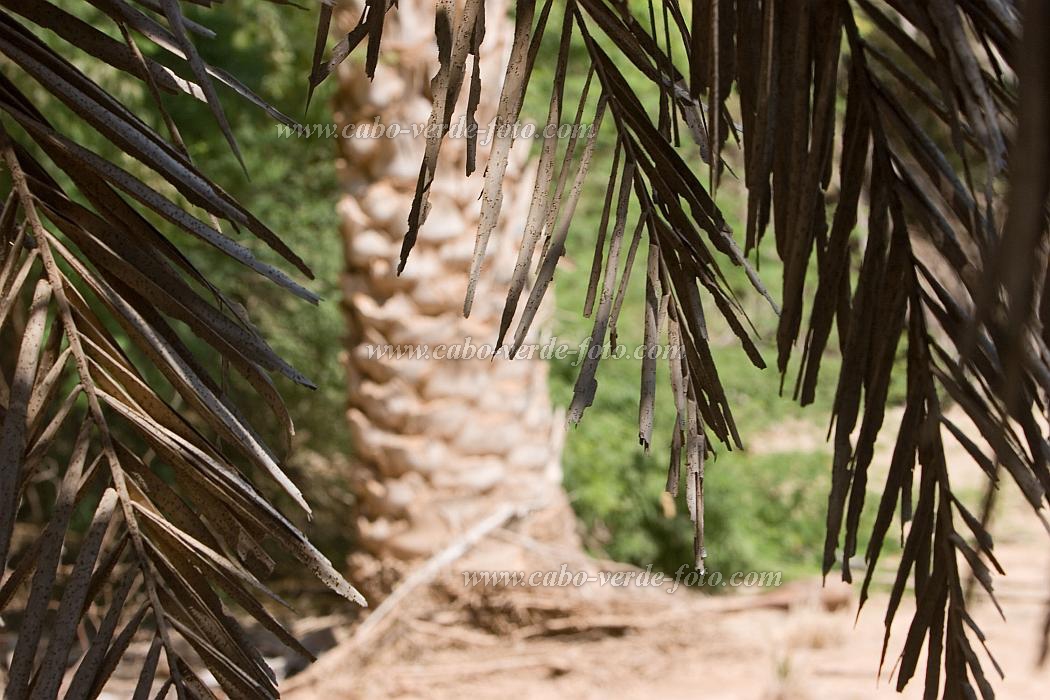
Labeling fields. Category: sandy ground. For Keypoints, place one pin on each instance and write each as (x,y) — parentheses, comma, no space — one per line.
(698,647)
(795,642)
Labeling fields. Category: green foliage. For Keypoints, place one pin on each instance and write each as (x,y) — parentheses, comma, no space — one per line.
(294,189)
(764,511)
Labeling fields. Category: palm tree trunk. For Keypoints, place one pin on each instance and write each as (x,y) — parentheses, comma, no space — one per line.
(440,443)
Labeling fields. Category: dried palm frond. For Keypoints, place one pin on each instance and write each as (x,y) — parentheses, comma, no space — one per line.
(943,109)
(178,532)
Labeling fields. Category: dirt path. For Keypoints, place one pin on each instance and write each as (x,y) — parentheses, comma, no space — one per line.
(786,644)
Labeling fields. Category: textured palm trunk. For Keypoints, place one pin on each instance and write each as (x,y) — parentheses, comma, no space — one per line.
(440,443)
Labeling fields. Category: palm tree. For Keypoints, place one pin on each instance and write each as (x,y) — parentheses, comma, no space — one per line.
(945,276)
(442,440)
(174,515)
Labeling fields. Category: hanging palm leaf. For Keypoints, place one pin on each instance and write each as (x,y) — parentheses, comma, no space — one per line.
(178,531)
(896,201)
